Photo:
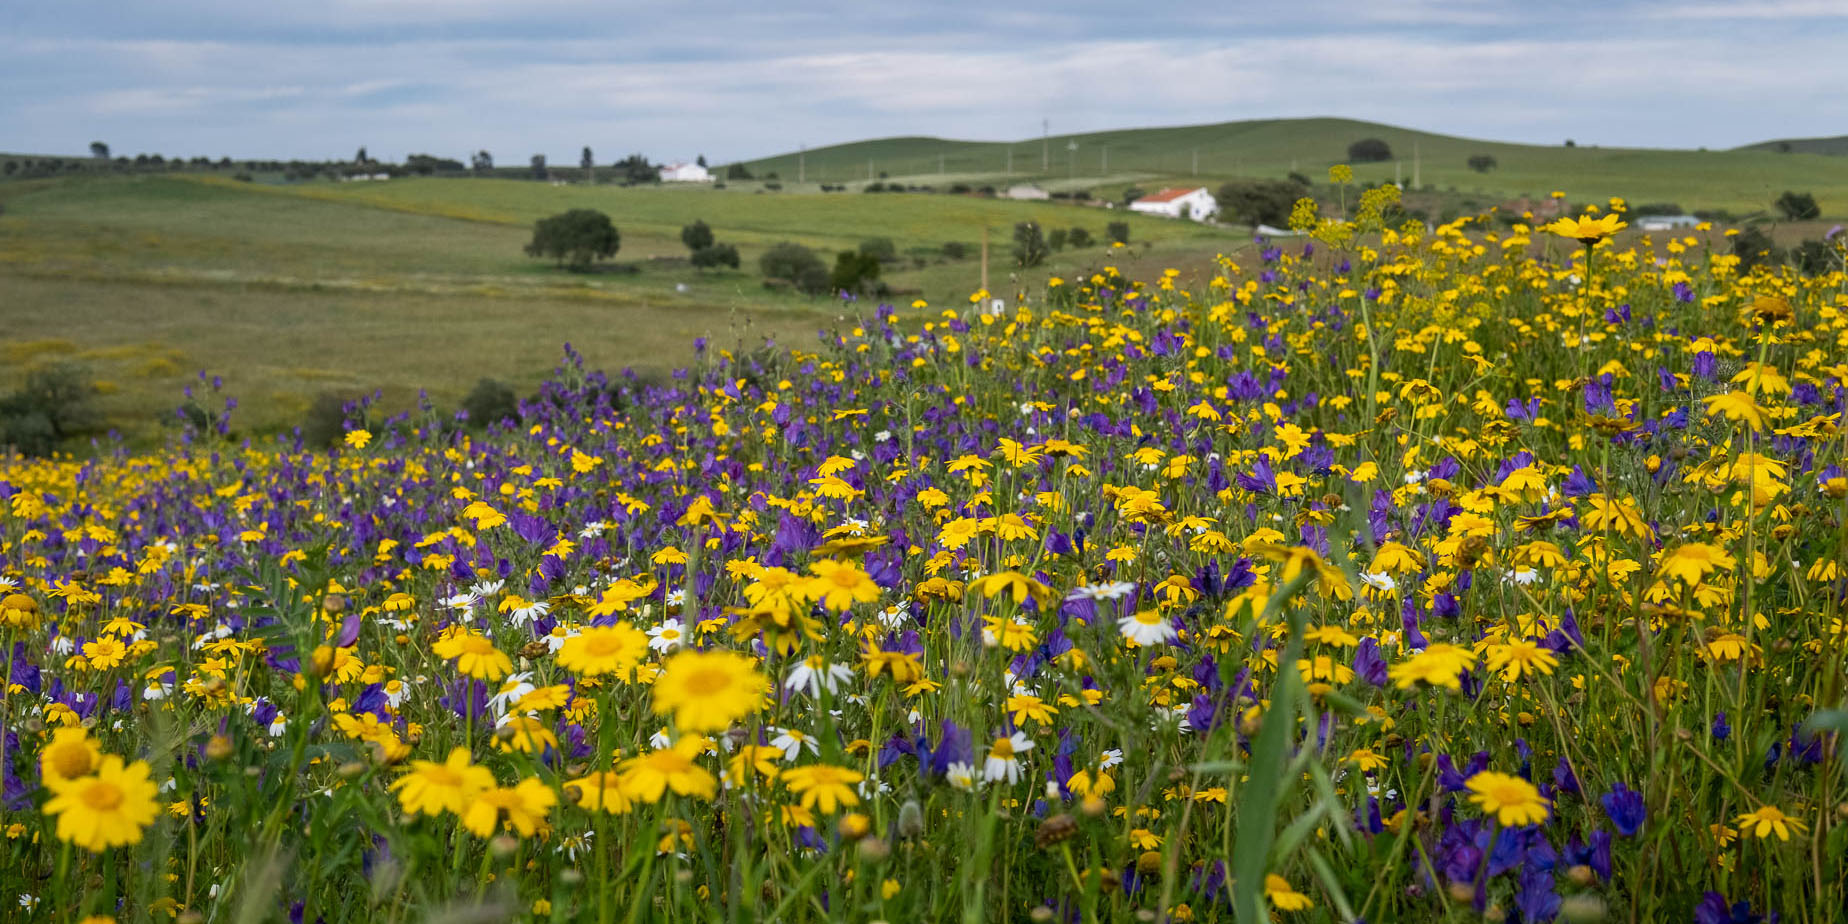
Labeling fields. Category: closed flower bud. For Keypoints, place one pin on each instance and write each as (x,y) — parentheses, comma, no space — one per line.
(910,819)
(350,770)
(334,603)
(1041,914)
(874,849)
(1460,892)
(1054,830)
(218,748)
(1148,863)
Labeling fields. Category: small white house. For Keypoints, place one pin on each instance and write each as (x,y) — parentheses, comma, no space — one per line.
(685,173)
(1665,222)
(1026,191)
(1179,202)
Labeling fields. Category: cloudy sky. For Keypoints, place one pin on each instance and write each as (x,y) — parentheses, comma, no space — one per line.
(734,80)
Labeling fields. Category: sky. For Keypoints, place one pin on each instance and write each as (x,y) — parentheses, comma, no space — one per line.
(736,80)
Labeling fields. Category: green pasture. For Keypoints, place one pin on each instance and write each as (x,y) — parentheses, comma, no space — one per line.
(421,284)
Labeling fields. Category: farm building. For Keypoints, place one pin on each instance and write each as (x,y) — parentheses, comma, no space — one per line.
(1665,222)
(685,173)
(1179,202)
(1026,191)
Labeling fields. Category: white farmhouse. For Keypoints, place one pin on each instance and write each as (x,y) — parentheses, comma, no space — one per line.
(685,173)
(1179,202)
(1026,191)
(1665,222)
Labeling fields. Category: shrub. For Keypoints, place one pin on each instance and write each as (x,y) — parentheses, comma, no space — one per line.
(1078,237)
(1369,151)
(955,250)
(56,403)
(715,256)
(577,237)
(1133,193)
(325,422)
(696,236)
(1656,208)
(854,271)
(1815,257)
(1300,179)
(1258,202)
(737,172)
(796,265)
(1029,244)
(880,248)
(490,402)
(1796,206)
(1056,239)
(1754,247)
(1117,232)
(1482,163)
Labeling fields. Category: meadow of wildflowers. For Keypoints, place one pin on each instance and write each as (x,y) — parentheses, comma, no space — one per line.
(1402,575)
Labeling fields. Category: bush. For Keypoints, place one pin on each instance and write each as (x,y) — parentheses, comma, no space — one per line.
(1815,257)
(1056,239)
(715,256)
(881,249)
(1369,151)
(1300,179)
(577,237)
(854,271)
(1029,244)
(795,264)
(56,403)
(955,250)
(1117,232)
(490,402)
(696,236)
(737,172)
(1754,247)
(1482,163)
(1133,193)
(1656,208)
(325,423)
(1258,202)
(1078,237)
(1795,206)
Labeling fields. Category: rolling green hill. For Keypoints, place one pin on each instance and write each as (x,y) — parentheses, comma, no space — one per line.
(1836,146)
(1741,180)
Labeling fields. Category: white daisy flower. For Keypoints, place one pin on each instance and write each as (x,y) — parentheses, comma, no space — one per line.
(961,775)
(792,742)
(815,674)
(593,529)
(667,636)
(1003,763)
(1109,590)
(1148,627)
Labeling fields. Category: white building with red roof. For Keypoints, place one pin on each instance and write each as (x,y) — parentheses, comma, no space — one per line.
(1179,202)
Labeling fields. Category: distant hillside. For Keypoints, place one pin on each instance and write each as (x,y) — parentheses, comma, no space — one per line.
(1741,180)
(1835,147)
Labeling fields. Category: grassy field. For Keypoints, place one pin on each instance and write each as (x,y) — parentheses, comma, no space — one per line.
(289,291)
(1741,180)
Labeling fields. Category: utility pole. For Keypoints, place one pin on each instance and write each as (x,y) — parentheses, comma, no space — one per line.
(984,258)
(1045,145)
(1414,165)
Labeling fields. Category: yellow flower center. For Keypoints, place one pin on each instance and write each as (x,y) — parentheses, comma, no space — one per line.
(707,682)
(102,797)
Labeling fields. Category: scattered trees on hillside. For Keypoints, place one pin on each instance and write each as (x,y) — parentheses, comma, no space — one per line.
(706,253)
(1258,202)
(1796,206)
(1369,151)
(575,238)
(426,164)
(635,170)
(99,150)
(1482,163)
(481,162)
(737,172)
(795,265)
